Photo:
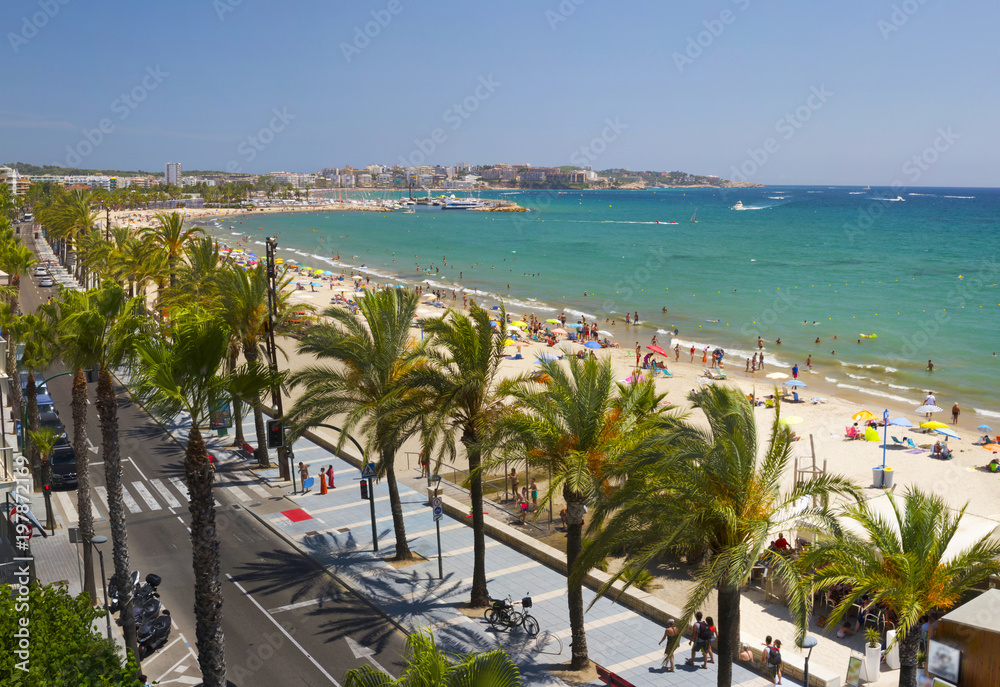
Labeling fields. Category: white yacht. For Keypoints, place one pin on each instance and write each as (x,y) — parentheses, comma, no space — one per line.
(739,205)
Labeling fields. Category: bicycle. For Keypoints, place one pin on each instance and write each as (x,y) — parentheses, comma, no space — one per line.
(501,615)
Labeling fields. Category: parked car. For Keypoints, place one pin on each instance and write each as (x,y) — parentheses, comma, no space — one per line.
(40,386)
(63,462)
(40,272)
(45,404)
(47,281)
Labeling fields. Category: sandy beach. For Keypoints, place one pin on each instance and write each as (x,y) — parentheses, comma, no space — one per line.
(963,479)
(137,219)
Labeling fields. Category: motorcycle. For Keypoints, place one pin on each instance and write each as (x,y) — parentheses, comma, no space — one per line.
(114,604)
(153,634)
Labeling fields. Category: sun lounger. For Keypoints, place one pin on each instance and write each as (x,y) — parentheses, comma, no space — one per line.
(720,374)
(909,442)
(898,442)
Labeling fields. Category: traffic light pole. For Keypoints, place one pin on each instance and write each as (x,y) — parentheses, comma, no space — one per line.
(371,503)
(272,353)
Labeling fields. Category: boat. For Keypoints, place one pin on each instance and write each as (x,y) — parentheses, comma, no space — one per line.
(409,211)
(738,206)
(694,216)
(461,204)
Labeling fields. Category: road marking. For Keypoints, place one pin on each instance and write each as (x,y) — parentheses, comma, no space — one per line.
(165,493)
(301,604)
(259,490)
(594,624)
(93,449)
(102,494)
(68,508)
(235,489)
(180,486)
(146,496)
(467,549)
(136,466)
(352,504)
(283,630)
(159,652)
(129,501)
(636,662)
(554,594)
(505,571)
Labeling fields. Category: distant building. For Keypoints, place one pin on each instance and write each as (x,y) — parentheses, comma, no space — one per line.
(172,174)
(12,179)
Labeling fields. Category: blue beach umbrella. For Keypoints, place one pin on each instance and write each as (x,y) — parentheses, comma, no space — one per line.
(985,428)
(794,382)
(592,344)
(575,324)
(900,422)
(947,433)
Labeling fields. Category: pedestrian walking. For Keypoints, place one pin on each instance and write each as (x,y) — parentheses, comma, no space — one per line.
(329,477)
(522,507)
(638,353)
(534,494)
(955,412)
(668,654)
(700,635)
(774,660)
(322,482)
(692,353)
(304,475)
(766,651)
(513,482)
(712,637)
(677,353)
(795,371)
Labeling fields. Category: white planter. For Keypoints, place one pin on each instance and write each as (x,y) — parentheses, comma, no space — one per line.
(891,656)
(870,666)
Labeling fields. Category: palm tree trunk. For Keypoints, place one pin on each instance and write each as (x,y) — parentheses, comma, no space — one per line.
(211,641)
(237,410)
(402,548)
(36,465)
(107,405)
(251,353)
(86,516)
(574,591)
(728,630)
(480,594)
(908,648)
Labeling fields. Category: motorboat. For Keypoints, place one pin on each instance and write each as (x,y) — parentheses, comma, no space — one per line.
(739,205)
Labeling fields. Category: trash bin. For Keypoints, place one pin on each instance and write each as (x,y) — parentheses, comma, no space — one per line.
(877,477)
(888,475)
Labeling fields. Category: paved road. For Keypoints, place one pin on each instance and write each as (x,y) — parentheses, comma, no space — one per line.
(287,622)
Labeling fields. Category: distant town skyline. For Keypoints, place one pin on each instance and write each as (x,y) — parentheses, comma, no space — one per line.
(856,93)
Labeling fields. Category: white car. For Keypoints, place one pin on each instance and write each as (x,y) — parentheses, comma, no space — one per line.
(40,272)
(47,281)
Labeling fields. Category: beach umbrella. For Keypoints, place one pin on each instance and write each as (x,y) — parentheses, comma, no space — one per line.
(795,383)
(513,327)
(985,428)
(635,378)
(430,297)
(657,349)
(790,420)
(777,375)
(561,332)
(578,325)
(928,409)
(604,333)
(519,323)
(933,424)
(547,356)
(947,432)
(900,422)
(553,321)
(519,344)
(863,415)
(592,344)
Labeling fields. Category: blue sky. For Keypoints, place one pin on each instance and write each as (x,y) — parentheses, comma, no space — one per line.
(779,92)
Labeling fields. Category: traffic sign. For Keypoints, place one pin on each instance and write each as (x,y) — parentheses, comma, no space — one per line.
(368,472)
(438,512)
(436,502)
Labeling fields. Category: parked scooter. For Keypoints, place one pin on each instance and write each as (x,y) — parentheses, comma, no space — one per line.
(153,634)
(113,593)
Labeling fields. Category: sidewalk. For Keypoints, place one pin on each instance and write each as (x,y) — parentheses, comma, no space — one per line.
(335,530)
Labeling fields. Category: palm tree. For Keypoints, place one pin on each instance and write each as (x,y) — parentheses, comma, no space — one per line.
(12,325)
(902,563)
(45,440)
(242,299)
(184,372)
(428,666)
(576,427)
(15,260)
(466,351)
(173,237)
(37,356)
(686,489)
(113,326)
(367,383)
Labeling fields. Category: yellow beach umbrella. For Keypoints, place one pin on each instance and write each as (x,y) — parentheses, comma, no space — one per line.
(790,420)
(863,415)
(553,321)
(519,323)
(933,424)
(508,342)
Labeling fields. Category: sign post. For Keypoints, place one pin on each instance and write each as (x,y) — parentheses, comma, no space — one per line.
(368,473)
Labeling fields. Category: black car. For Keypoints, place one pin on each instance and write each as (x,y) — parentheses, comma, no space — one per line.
(63,462)
(52,421)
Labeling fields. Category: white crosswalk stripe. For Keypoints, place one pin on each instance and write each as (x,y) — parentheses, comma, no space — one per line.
(146,496)
(102,494)
(165,493)
(240,494)
(259,490)
(69,509)
(130,502)
(180,486)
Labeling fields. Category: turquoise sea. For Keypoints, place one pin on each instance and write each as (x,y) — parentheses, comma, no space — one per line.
(918,268)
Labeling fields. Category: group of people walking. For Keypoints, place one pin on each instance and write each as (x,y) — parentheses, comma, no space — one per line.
(704,633)
(325,478)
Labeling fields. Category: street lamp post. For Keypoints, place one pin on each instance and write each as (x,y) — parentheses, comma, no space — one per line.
(284,468)
(808,642)
(100,539)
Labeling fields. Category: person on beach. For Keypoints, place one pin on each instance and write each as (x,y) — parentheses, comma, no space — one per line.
(748,366)
(692,353)
(638,353)
(760,362)
(677,353)
(930,366)
(668,656)
(955,412)
(809,363)
(635,318)
(704,356)
(628,319)
(795,371)
(654,340)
